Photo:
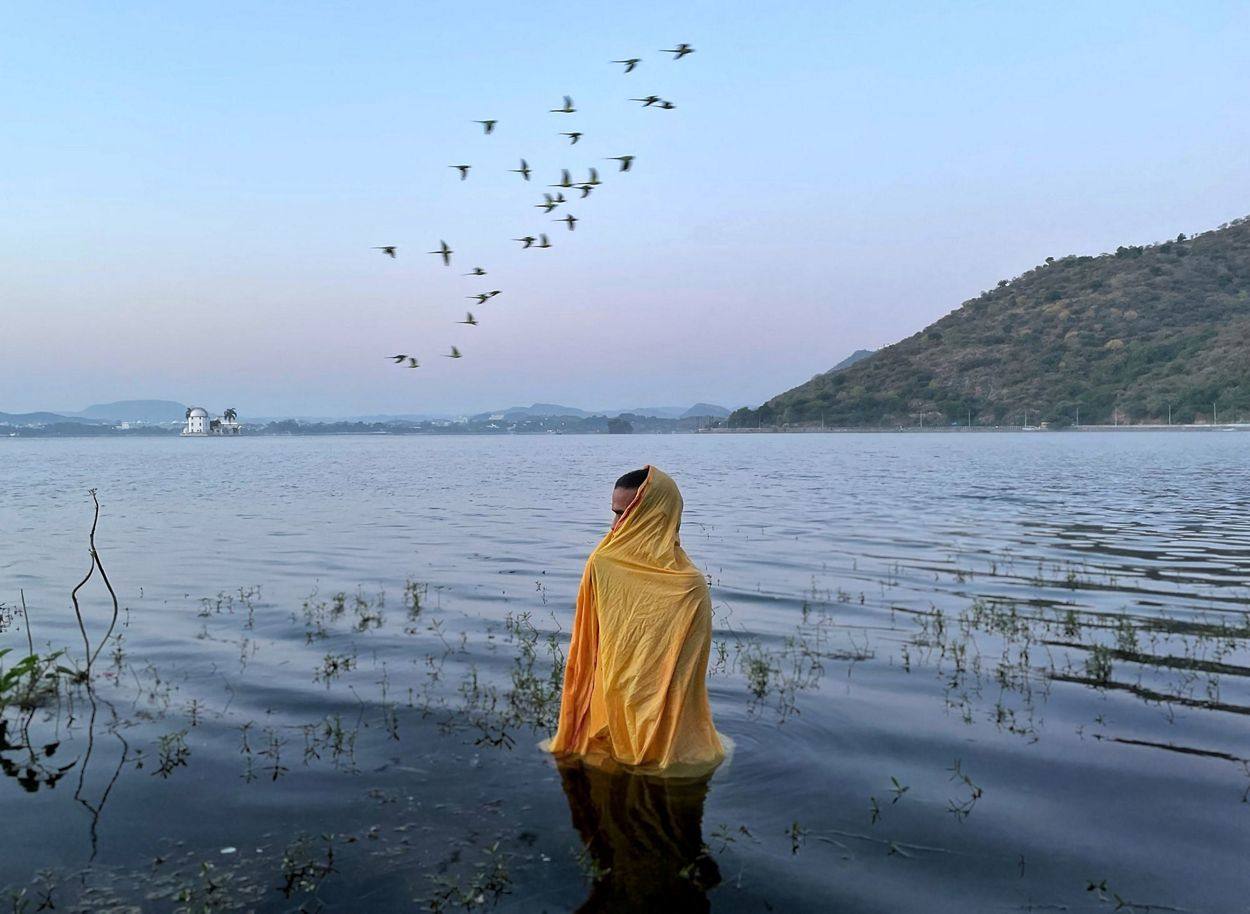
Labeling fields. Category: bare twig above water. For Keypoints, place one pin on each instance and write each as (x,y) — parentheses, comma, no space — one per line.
(95,564)
(95,555)
(30,639)
(73,595)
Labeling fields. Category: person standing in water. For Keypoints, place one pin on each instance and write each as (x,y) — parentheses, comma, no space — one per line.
(635,691)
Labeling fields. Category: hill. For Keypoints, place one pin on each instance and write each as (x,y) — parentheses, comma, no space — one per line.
(705,409)
(1130,335)
(552,410)
(136,410)
(854,358)
(536,410)
(652,412)
(39,418)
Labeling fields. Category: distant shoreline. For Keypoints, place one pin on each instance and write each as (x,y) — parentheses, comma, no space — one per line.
(767,430)
(979,429)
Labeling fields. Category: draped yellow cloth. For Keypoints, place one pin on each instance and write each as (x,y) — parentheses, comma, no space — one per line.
(635,691)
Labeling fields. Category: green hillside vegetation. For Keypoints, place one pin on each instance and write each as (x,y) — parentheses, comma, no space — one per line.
(1119,337)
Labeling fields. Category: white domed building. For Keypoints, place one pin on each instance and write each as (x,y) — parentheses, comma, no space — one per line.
(199,423)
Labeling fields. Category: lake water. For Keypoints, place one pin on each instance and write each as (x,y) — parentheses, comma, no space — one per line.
(962,672)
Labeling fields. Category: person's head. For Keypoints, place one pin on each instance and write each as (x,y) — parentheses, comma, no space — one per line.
(624,491)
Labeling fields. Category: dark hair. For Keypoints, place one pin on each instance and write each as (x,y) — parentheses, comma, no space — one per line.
(633,479)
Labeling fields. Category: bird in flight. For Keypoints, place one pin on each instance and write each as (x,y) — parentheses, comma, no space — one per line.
(626,161)
(523,171)
(630,63)
(667,105)
(487,126)
(566,180)
(454,354)
(549,204)
(568,107)
(648,101)
(560,197)
(477,271)
(526,241)
(678,52)
(398,358)
(469,319)
(570,219)
(464,170)
(544,243)
(494,293)
(573,137)
(413,363)
(445,251)
(480,298)
(589,184)
(388,249)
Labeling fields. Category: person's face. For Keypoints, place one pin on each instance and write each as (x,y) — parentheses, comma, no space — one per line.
(620,501)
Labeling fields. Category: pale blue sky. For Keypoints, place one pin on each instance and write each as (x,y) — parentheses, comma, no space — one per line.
(189,192)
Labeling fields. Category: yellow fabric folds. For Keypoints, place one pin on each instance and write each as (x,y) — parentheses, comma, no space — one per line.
(634,692)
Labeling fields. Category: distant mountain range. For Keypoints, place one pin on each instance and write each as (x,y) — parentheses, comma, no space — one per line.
(104,413)
(1151,333)
(42,418)
(854,358)
(136,410)
(166,411)
(657,412)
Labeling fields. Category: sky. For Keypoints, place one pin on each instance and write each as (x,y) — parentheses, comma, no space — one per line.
(189,193)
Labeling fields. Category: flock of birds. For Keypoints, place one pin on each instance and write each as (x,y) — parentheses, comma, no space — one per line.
(550,201)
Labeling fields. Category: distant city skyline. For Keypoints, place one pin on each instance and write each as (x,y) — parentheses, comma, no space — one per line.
(193,195)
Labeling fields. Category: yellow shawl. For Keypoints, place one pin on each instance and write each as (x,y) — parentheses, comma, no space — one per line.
(634,686)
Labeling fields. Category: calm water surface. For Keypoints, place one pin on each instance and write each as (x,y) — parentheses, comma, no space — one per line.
(962,672)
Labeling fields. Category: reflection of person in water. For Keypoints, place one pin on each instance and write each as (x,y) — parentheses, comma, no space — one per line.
(644,838)
(635,743)
(635,690)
